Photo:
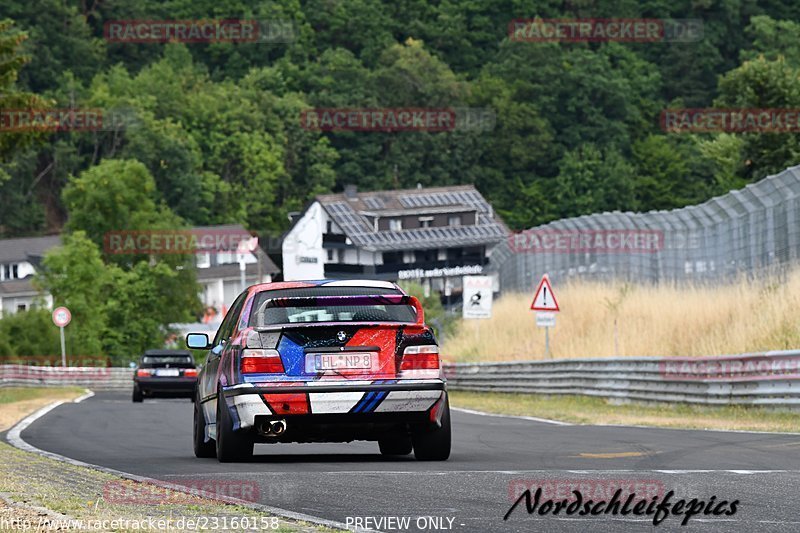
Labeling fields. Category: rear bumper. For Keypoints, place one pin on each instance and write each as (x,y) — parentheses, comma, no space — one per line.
(396,402)
(167,386)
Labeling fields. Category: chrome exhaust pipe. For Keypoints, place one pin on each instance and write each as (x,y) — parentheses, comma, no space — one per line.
(274,428)
(278,427)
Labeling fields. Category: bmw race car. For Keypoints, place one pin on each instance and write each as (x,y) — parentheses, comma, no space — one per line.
(165,373)
(321,361)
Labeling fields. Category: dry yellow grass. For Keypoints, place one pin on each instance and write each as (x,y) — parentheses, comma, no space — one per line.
(16,403)
(663,320)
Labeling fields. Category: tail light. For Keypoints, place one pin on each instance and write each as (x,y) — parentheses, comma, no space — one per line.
(261,362)
(190,373)
(420,358)
(144,372)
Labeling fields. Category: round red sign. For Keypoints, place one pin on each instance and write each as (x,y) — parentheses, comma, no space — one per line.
(61,316)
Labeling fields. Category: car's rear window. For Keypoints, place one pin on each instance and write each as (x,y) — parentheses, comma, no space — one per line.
(260,316)
(173,361)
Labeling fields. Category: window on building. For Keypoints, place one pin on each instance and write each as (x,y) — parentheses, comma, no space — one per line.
(454,220)
(341,255)
(329,227)
(330,255)
(21,307)
(426,255)
(10,271)
(395,224)
(425,222)
(203,260)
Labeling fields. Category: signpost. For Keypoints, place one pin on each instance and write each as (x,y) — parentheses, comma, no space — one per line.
(477,297)
(61,318)
(546,305)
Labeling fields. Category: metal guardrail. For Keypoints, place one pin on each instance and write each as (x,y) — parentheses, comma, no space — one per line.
(771,378)
(95,378)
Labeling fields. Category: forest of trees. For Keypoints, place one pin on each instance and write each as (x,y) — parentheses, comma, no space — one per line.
(218,128)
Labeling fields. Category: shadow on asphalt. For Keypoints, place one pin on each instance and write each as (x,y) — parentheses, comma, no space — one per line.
(321,458)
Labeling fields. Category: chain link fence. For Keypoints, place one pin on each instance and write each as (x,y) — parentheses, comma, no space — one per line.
(749,231)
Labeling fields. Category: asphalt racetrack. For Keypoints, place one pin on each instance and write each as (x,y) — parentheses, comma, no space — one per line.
(492,458)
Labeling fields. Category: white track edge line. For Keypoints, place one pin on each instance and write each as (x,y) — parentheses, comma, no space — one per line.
(561,423)
(530,418)
(15,439)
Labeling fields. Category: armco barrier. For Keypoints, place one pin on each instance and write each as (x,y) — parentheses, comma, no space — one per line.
(771,378)
(95,378)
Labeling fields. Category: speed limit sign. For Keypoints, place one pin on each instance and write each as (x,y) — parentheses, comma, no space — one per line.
(61,316)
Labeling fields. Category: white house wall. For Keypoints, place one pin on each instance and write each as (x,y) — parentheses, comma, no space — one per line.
(303,255)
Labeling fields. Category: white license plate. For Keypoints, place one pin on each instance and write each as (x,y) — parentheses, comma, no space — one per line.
(167,372)
(338,361)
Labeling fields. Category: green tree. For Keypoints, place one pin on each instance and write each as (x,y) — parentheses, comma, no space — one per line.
(29,333)
(115,195)
(763,84)
(75,276)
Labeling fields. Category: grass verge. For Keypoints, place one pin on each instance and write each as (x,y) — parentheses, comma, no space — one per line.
(18,402)
(588,410)
(658,320)
(47,494)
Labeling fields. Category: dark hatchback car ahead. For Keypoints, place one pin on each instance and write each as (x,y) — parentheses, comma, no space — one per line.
(165,373)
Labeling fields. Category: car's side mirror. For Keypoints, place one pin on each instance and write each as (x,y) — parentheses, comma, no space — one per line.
(197,341)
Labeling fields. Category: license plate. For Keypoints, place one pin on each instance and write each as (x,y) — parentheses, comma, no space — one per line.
(338,361)
(167,372)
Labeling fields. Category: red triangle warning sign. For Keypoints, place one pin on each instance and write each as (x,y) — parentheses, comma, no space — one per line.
(545,298)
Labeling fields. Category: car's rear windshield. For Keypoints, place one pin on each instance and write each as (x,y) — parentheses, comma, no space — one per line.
(173,361)
(261,316)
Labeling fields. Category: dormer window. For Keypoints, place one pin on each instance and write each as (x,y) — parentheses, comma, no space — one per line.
(203,260)
(425,222)
(10,271)
(395,224)
(454,221)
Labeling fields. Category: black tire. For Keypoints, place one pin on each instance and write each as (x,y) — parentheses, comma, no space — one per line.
(395,445)
(434,445)
(202,448)
(138,397)
(231,445)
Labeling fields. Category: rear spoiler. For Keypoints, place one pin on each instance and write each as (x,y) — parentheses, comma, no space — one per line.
(333,301)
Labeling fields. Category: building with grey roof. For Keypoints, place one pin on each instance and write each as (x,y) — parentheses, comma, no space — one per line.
(434,235)
(219,272)
(19,259)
